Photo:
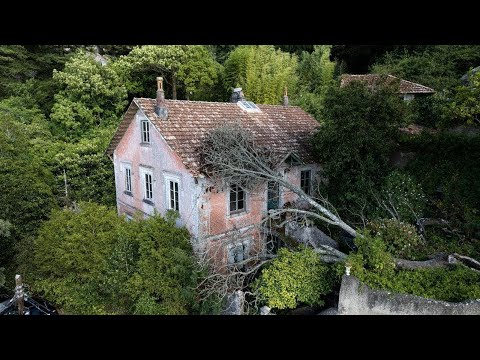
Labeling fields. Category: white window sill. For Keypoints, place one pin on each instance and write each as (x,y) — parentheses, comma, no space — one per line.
(237,214)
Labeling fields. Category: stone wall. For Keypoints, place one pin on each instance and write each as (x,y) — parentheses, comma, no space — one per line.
(358,299)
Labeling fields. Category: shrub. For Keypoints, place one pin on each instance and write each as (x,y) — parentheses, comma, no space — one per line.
(400,197)
(401,239)
(293,277)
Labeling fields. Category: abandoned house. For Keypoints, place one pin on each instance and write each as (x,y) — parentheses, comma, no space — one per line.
(407,89)
(156,156)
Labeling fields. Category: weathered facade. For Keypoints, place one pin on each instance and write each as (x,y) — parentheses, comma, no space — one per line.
(156,155)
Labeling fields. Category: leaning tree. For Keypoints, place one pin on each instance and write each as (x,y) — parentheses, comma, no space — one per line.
(230,155)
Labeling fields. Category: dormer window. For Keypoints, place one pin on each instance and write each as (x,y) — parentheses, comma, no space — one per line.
(248,105)
(145,127)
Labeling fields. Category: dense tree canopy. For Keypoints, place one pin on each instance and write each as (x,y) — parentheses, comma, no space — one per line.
(357,136)
(315,76)
(262,72)
(60,105)
(188,71)
(90,261)
(91,96)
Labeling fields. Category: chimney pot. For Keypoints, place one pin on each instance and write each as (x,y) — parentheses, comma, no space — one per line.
(285,97)
(160,83)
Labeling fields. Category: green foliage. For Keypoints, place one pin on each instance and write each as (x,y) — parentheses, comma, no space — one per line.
(401,239)
(466,104)
(91,96)
(165,280)
(315,74)
(295,277)
(372,261)
(400,197)
(189,71)
(455,283)
(90,261)
(88,170)
(2,277)
(6,247)
(25,184)
(262,72)
(359,128)
(221,52)
(448,170)
(14,68)
(70,257)
(439,67)
(431,111)
(373,265)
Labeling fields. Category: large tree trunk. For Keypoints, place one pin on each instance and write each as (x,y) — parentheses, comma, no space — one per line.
(439,260)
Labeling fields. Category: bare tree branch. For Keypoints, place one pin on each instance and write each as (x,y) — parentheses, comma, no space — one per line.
(229,155)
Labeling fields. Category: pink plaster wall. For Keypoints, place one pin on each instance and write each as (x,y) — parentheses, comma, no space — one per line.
(164,162)
(203,208)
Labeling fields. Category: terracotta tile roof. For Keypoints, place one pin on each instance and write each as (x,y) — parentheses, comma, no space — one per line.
(282,129)
(406,87)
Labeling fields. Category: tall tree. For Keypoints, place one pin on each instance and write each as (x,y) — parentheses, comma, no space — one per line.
(262,72)
(188,70)
(315,75)
(439,66)
(359,127)
(92,96)
(88,260)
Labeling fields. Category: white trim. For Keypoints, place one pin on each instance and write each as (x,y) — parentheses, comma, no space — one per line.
(147,171)
(142,131)
(172,178)
(126,165)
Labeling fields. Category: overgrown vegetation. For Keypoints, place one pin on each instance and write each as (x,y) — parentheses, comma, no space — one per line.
(90,261)
(59,108)
(374,266)
(293,278)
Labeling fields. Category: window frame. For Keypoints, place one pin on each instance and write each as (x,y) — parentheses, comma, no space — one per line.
(229,201)
(128,178)
(124,167)
(145,139)
(172,179)
(302,171)
(231,254)
(143,173)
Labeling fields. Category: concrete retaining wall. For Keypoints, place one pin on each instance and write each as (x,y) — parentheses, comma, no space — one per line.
(358,299)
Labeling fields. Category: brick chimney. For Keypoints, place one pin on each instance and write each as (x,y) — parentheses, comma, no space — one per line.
(237,95)
(285,97)
(160,108)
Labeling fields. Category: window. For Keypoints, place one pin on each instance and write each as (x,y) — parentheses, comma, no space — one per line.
(306,181)
(128,179)
(145,131)
(146,175)
(238,252)
(237,199)
(173,203)
(248,105)
(273,195)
